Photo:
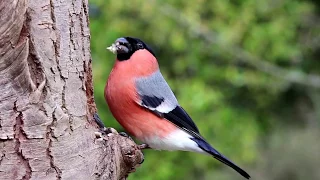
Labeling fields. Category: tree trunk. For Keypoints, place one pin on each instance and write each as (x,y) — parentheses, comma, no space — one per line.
(46,97)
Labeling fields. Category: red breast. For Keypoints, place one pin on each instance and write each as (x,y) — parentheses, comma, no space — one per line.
(122,97)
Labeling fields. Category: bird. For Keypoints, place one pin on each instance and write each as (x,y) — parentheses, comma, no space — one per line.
(142,102)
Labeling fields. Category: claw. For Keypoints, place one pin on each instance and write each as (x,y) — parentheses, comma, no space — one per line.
(98,134)
(143,146)
(98,120)
(111,130)
(125,135)
(103,130)
(142,161)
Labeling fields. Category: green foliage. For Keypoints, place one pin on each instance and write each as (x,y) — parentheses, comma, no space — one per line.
(227,62)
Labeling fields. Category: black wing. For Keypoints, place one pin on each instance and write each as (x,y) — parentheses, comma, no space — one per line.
(151,102)
(177,115)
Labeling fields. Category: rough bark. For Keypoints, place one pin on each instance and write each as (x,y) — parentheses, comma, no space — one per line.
(46,97)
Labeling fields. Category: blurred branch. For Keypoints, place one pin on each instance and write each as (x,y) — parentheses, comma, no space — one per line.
(314,96)
(198,30)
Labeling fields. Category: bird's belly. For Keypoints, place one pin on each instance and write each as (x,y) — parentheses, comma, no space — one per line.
(157,132)
(144,125)
(176,140)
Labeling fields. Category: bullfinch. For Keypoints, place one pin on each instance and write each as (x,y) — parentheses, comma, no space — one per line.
(143,103)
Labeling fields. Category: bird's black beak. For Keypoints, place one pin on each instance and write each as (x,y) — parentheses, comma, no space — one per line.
(120,46)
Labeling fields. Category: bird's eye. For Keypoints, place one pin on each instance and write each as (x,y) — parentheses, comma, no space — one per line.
(139,45)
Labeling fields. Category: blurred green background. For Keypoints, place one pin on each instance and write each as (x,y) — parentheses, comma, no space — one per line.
(248,73)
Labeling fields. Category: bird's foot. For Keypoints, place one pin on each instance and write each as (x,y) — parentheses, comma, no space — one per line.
(106,132)
(103,131)
(109,131)
(124,134)
(143,146)
(98,120)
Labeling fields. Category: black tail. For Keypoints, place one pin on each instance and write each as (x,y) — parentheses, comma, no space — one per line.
(207,148)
